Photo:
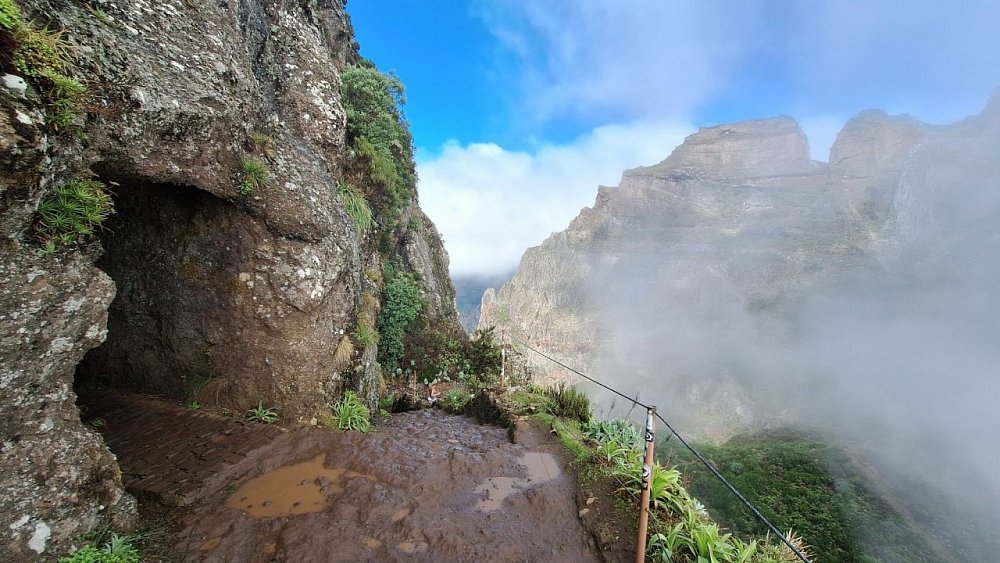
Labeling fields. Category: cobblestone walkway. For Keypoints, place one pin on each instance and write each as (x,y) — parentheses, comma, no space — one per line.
(175,454)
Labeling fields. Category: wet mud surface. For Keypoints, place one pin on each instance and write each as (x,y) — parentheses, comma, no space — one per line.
(426,486)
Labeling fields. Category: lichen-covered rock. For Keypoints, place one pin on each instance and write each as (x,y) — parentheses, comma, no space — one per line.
(57,480)
(425,255)
(238,284)
(23,145)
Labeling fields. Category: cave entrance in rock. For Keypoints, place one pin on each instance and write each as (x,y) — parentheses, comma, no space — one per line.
(173,253)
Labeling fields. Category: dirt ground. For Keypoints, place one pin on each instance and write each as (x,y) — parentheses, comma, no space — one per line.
(426,486)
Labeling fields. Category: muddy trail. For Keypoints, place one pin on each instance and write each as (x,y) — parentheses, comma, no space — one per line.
(426,486)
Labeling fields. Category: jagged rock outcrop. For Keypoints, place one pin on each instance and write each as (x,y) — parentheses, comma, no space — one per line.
(252,292)
(689,268)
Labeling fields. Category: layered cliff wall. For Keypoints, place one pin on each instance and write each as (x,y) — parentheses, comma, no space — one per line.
(685,281)
(208,271)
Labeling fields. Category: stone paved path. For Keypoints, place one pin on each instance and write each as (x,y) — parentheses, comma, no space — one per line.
(177,455)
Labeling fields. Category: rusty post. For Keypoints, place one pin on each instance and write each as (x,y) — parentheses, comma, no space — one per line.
(647,475)
(503,355)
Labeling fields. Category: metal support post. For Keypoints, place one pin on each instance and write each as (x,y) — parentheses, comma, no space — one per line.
(647,475)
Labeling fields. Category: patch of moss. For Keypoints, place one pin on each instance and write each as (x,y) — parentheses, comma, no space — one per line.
(10,15)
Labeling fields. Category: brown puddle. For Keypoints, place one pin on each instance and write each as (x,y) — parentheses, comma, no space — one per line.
(541,467)
(291,489)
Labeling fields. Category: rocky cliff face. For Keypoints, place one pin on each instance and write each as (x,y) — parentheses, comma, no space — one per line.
(677,279)
(191,280)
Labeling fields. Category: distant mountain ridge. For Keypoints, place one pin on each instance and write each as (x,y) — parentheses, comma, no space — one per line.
(736,223)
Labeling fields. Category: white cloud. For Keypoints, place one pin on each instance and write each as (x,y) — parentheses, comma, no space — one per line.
(490,204)
(634,58)
(674,59)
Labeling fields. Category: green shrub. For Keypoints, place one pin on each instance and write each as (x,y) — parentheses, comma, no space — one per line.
(379,137)
(255,175)
(262,414)
(74,209)
(356,206)
(455,399)
(118,549)
(617,430)
(351,414)
(402,303)
(568,402)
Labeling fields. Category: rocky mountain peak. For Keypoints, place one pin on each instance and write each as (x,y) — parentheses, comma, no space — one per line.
(873,140)
(757,147)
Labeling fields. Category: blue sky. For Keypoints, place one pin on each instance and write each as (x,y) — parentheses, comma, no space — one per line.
(520,109)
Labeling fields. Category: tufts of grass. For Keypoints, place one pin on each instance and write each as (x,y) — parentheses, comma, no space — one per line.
(528,401)
(100,14)
(256,175)
(74,209)
(262,414)
(39,51)
(42,56)
(351,414)
(263,143)
(342,355)
(356,206)
(366,333)
(66,98)
(569,402)
(455,399)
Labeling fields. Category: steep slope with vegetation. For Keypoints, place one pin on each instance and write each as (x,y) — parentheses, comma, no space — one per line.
(211,202)
(608,457)
(806,485)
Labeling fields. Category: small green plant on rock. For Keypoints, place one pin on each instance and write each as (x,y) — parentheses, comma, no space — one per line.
(42,56)
(65,104)
(118,549)
(255,175)
(10,15)
(456,399)
(74,209)
(351,414)
(356,206)
(263,143)
(262,414)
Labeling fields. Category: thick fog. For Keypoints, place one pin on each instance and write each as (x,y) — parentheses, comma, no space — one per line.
(895,354)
